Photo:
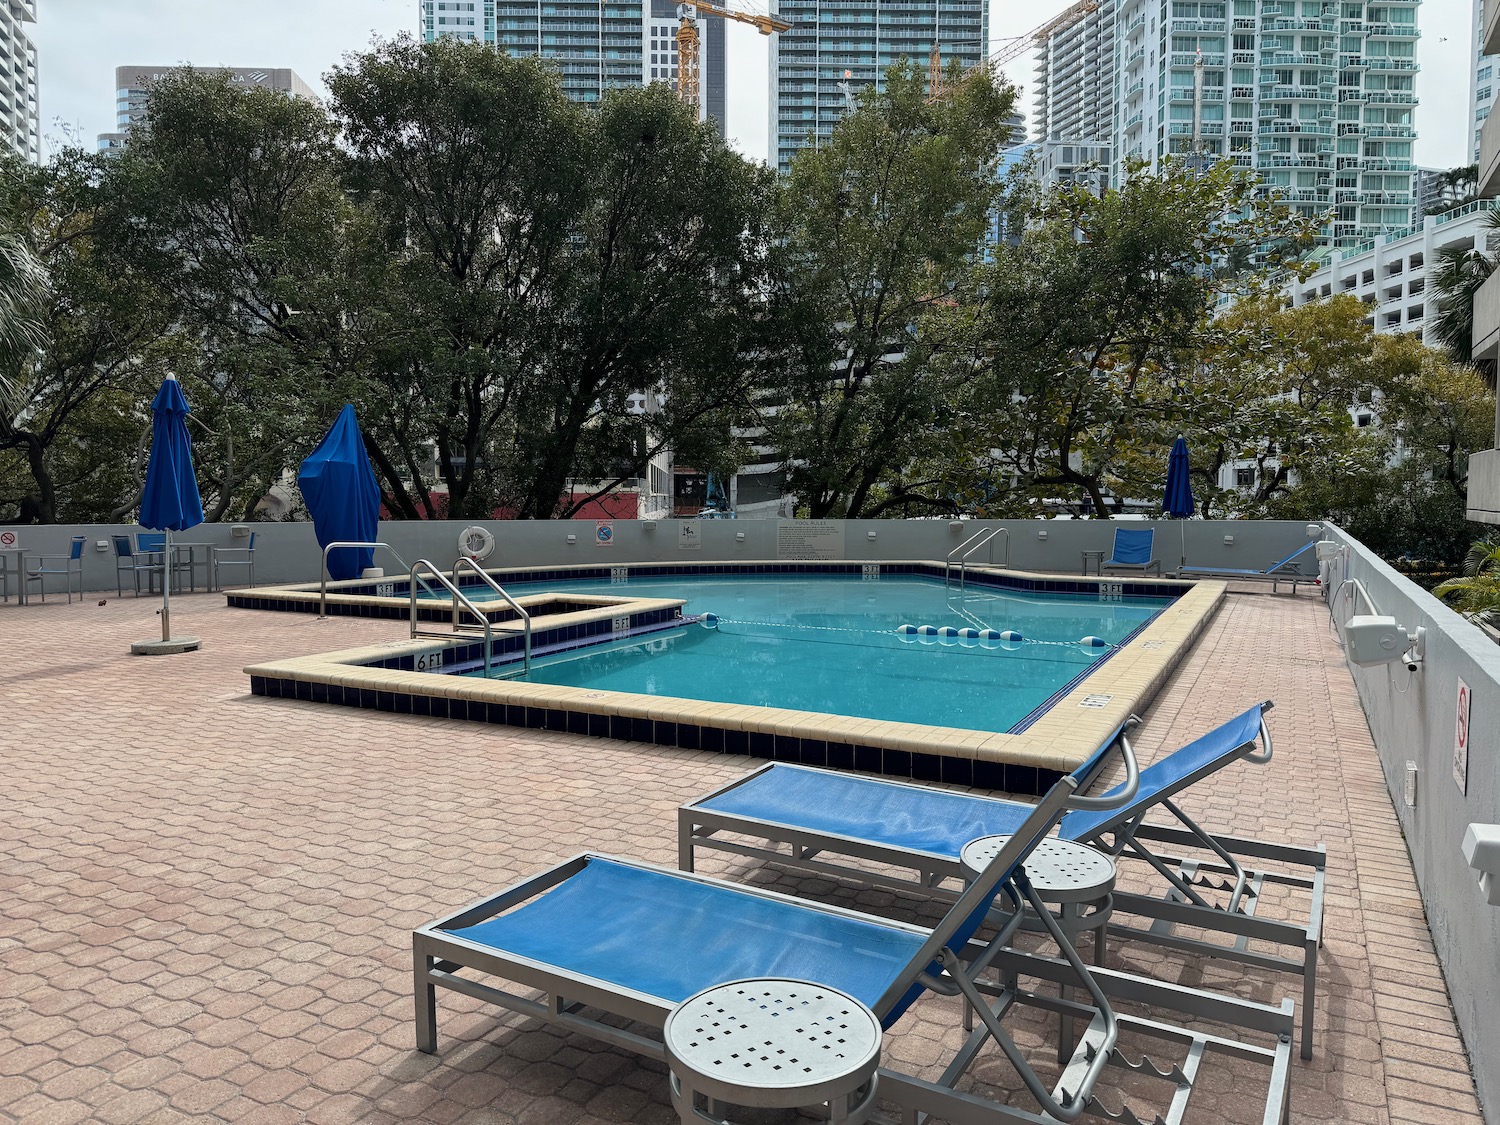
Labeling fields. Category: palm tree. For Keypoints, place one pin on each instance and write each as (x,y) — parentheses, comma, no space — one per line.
(1477,594)
(1457,277)
(23,296)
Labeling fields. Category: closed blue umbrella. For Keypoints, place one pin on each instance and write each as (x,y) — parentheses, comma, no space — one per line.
(170,500)
(1177,500)
(342,497)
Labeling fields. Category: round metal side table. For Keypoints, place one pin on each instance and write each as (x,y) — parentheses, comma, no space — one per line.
(772,1044)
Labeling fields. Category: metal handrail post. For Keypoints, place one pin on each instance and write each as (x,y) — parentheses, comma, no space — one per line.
(521,612)
(458,597)
(985,538)
(948,563)
(323,592)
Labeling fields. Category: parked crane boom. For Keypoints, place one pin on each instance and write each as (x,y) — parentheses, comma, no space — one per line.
(687,39)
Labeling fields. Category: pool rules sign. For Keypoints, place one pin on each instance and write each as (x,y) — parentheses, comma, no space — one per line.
(1461,738)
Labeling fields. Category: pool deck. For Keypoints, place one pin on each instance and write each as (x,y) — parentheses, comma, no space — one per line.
(209,895)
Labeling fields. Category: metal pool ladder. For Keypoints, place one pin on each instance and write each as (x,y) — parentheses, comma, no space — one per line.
(978,539)
(323,593)
(461,602)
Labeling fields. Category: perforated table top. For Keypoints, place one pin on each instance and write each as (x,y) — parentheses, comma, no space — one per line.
(1060,870)
(773,1043)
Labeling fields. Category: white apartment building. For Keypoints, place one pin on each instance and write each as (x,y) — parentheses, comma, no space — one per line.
(1315,96)
(1482,83)
(133,93)
(1389,272)
(20,97)
(1075,80)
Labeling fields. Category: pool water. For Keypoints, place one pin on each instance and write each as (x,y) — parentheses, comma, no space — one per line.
(830,644)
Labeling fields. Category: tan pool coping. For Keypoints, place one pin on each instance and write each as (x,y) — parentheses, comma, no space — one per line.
(1065,736)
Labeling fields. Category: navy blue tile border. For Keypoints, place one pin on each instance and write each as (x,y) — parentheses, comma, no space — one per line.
(756,744)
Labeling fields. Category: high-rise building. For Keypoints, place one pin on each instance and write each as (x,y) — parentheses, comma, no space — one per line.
(1315,96)
(837,47)
(597,45)
(1075,81)
(1482,82)
(20,108)
(133,93)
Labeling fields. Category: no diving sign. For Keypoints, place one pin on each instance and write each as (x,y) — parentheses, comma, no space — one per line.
(1461,738)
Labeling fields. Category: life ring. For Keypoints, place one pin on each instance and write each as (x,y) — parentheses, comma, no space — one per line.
(476,542)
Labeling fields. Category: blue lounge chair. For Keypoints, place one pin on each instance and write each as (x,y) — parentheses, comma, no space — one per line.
(1133,551)
(805,815)
(1276,573)
(604,937)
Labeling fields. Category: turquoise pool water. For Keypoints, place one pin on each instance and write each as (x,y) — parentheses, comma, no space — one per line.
(830,644)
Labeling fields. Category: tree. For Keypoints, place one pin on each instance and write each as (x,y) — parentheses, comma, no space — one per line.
(1456,277)
(877,227)
(227,204)
(1086,341)
(77,406)
(546,263)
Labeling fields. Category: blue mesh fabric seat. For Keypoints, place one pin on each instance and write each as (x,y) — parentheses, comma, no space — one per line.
(1132,550)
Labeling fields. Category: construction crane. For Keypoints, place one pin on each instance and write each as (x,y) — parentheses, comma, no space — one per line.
(1012,50)
(687,40)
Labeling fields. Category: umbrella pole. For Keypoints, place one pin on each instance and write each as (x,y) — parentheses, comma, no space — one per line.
(166,587)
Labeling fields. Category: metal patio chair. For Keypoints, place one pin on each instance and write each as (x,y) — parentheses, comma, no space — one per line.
(72,567)
(234,556)
(128,562)
(1132,550)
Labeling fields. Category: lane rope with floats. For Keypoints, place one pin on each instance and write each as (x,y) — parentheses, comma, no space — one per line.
(1005,640)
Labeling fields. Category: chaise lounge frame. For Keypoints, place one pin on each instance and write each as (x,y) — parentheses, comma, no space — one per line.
(1188,859)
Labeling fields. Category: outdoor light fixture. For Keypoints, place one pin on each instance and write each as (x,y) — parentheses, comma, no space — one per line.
(955,525)
(739,536)
(1371,639)
(1042,534)
(870,535)
(1482,853)
(650,524)
(572,539)
(1229,540)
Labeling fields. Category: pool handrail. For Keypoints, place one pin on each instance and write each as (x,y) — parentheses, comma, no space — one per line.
(464,561)
(985,537)
(323,591)
(458,600)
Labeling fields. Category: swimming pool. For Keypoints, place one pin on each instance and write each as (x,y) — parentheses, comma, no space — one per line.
(594,610)
(832,644)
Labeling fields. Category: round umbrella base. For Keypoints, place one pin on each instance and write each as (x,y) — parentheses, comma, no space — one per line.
(165,648)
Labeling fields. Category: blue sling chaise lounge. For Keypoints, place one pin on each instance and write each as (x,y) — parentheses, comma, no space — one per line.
(604,940)
(824,821)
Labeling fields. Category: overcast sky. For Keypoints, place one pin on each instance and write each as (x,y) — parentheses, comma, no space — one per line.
(80,43)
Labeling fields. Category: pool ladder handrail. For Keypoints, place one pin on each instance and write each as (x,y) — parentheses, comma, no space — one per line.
(464,561)
(323,592)
(979,539)
(459,600)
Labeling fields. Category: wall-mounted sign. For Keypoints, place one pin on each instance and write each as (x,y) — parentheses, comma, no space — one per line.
(809,540)
(1461,738)
(689,535)
(604,534)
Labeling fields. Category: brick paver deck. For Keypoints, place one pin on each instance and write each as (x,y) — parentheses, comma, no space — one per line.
(208,897)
